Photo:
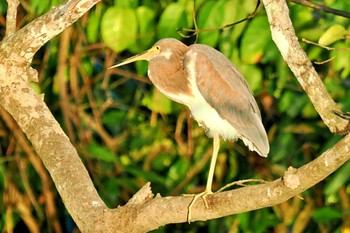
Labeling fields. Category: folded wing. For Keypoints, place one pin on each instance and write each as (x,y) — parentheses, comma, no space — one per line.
(225,89)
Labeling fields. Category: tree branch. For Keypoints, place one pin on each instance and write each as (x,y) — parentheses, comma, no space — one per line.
(29,39)
(283,35)
(143,212)
(11,17)
(294,182)
(35,119)
(322,8)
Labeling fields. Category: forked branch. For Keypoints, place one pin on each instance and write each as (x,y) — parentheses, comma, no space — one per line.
(283,35)
(144,213)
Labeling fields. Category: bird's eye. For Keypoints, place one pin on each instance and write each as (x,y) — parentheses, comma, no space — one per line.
(158,47)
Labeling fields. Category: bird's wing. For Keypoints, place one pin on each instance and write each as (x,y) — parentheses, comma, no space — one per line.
(225,89)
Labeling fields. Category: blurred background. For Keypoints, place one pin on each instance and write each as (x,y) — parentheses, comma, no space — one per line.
(127,133)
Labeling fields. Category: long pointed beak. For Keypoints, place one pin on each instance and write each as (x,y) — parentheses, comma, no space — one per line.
(148,54)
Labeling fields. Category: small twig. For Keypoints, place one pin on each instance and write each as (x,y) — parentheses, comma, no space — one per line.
(195,19)
(240,183)
(345,116)
(196,30)
(323,46)
(322,8)
(11,17)
(323,62)
(68,6)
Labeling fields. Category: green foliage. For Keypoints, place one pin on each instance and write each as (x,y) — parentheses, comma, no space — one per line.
(326,215)
(334,33)
(3,7)
(127,133)
(172,18)
(39,7)
(340,179)
(101,153)
(253,46)
(158,102)
(119,28)
(146,21)
(210,16)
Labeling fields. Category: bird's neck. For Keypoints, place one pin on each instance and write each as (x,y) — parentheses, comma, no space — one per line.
(170,78)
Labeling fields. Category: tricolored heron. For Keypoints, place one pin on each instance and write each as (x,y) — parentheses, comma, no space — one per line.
(216,93)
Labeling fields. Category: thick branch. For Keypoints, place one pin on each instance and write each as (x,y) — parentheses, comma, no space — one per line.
(284,36)
(29,39)
(248,198)
(53,146)
(143,212)
(11,17)
(35,119)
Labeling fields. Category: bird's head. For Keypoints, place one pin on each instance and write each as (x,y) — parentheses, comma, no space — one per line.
(163,48)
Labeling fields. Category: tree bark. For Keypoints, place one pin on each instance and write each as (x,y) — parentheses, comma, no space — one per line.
(144,212)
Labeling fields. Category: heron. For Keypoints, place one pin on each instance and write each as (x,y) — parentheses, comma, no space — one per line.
(217,95)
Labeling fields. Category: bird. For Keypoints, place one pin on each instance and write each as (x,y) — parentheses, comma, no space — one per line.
(216,93)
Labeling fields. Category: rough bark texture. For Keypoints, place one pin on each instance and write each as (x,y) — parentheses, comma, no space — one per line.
(144,212)
(283,35)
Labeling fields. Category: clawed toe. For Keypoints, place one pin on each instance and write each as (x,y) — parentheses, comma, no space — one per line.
(203,195)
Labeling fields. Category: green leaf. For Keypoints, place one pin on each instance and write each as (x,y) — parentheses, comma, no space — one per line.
(283,74)
(244,219)
(177,171)
(253,46)
(271,54)
(173,17)
(119,28)
(301,16)
(126,4)
(210,16)
(93,24)
(253,76)
(312,34)
(335,87)
(341,61)
(292,103)
(92,27)
(148,176)
(338,179)
(278,148)
(111,191)
(333,34)
(101,153)
(39,7)
(146,31)
(309,111)
(162,162)
(141,67)
(2,175)
(326,215)
(36,87)
(3,7)
(158,102)
(114,117)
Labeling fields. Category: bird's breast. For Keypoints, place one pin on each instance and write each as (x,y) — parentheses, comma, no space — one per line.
(171,81)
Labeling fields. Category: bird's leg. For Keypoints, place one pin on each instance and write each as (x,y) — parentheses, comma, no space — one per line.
(216,146)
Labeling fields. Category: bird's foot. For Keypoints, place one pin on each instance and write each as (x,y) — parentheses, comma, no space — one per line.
(203,195)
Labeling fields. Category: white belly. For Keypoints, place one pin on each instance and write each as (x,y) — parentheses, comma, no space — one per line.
(208,117)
